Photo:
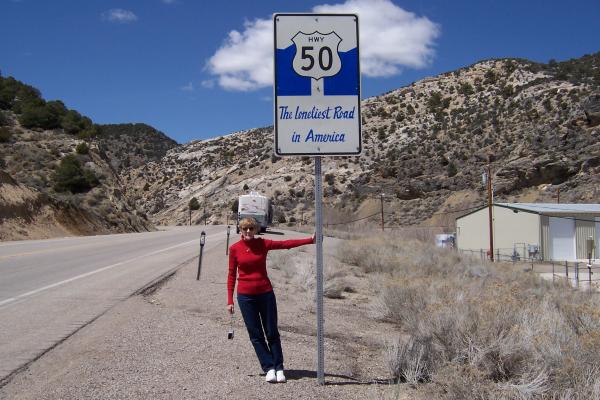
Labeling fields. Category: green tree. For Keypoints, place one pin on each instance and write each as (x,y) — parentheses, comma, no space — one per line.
(71,176)
(72,122)
(194,204)
(90,132)
(45,116)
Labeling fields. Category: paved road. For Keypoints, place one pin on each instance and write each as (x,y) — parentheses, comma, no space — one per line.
(51,288)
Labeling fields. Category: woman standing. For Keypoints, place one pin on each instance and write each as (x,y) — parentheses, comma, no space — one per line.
(248,262)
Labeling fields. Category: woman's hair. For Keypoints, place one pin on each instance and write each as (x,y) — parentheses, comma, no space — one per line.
(248,223)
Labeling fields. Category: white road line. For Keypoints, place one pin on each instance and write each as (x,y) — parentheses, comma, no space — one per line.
(30,293)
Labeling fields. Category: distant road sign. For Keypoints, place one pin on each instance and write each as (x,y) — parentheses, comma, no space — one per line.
(317,84)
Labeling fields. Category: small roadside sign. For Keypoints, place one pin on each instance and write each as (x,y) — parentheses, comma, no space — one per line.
(317,84)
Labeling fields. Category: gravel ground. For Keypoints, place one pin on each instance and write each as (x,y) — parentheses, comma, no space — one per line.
(172,344)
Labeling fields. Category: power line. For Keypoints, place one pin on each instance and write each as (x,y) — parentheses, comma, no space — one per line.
(355,220)
(461,210)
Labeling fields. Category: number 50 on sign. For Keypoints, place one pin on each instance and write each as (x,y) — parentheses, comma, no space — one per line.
(317,84)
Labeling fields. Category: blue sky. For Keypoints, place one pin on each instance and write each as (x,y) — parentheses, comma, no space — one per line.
(201,69)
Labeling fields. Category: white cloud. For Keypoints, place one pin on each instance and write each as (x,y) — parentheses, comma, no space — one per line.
(208,83)
(391,39)
(188,88)
(245,61)
(119,15)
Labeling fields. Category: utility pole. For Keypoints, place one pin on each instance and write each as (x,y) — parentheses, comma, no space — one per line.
(190,216)
(558,195)
(204,212)
(382,221)
(490,204)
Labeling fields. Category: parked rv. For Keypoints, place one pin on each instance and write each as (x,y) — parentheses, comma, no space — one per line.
(256,206)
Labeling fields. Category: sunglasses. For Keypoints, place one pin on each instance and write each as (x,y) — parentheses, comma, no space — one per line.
(248,229)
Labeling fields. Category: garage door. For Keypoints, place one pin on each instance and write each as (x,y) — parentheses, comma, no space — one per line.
(562,238)
(597,239)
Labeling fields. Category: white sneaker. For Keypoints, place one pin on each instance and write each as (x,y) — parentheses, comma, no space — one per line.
(271,377)
(280,376)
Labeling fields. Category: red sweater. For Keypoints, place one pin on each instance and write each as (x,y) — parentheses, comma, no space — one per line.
(248,260)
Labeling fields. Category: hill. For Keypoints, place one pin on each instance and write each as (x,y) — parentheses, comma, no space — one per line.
(58,175)
(425,147)
(133,145)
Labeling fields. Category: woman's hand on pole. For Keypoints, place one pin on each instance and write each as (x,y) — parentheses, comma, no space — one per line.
(314,237)
(230,308)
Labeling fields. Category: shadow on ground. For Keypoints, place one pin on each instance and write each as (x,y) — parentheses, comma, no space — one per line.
(297,374)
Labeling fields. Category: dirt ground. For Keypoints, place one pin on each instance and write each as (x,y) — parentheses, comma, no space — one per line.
(171,343)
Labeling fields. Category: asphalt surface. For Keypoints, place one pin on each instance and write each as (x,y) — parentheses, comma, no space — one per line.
(51,288)
(170,342)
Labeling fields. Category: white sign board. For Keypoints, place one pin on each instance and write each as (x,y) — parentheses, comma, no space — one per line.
(317,84)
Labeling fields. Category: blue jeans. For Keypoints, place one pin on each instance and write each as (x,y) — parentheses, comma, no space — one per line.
(260,315)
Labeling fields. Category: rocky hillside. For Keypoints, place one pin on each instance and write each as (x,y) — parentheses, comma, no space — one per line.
(132,145)
(425,147)
(54,184)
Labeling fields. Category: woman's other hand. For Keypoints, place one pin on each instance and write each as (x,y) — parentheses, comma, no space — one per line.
(230,308)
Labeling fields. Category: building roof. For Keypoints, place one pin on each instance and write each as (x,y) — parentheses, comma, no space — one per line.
(553,208)
(545,208)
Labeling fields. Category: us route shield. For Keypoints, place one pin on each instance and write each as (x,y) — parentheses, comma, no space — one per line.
(316,54)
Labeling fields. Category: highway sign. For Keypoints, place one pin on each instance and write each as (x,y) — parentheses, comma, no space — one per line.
(317,84)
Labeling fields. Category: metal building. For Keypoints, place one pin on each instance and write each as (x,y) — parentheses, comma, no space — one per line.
(545,231)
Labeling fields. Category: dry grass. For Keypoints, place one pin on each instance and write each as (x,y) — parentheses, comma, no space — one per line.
(478,330)
(299,268)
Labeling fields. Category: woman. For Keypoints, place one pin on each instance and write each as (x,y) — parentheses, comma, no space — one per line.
(248,261)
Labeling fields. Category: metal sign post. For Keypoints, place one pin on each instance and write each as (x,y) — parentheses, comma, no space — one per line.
(202,241)
(227,244)
(319,238)
(317,107)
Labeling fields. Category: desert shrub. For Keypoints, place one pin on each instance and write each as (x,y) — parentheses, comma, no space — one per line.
(82,148)
(330,179)
(3,119)
(5,135)
(480,330)
(299,267)
(451,169)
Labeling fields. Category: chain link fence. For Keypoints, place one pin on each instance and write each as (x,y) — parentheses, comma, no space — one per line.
(580,274)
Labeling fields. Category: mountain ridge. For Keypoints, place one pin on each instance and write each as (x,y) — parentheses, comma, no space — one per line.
(420,142)
(425,146)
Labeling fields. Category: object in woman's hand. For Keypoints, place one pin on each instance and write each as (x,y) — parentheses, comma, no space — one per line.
(230,334)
